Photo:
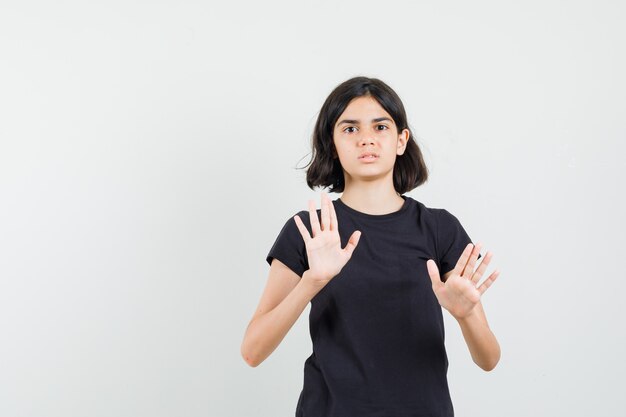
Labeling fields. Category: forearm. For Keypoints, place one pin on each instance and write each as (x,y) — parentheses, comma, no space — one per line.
(481,342)
(265,333)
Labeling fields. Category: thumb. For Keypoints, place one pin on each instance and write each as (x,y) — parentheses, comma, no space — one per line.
(352,242)
(433,271)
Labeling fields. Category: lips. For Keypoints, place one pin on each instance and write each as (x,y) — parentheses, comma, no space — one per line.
(366,154)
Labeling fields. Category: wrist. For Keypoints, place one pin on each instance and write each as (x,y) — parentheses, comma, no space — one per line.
(312,282)
(471,315)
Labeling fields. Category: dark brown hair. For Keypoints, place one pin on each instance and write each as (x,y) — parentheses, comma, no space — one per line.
(409,170)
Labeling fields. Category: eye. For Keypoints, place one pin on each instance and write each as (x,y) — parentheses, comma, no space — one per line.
(349,127)
(383,126)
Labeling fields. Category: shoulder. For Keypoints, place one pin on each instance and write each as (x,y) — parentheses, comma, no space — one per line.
(290,227)
(305,216)
(431,214)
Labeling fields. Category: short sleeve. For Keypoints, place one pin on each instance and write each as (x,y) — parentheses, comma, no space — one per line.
(289,247)
(451,241)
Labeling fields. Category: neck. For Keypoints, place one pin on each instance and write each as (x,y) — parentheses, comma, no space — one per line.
(372,199)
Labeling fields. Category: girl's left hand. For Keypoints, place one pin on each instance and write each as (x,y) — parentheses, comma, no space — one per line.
(460,293)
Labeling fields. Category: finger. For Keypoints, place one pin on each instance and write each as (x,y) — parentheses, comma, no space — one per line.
(433,272)
(469,268)
(492,278)
(302,228)
(325,213)
(333,217)
(352,242)
(315,224)
(482,267)
(460,264)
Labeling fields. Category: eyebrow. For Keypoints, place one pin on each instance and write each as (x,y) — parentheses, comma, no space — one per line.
(356,122)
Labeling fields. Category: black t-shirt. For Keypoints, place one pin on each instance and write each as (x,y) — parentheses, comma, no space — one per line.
(377,328)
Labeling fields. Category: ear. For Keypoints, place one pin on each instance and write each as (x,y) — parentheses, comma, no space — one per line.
(403,139)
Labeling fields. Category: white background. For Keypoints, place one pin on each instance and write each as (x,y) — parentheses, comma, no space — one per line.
(147,163)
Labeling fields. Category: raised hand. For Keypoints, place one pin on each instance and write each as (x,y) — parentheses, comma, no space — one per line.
(461,292)
(324,252)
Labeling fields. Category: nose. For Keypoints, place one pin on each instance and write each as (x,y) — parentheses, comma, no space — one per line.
(366,138)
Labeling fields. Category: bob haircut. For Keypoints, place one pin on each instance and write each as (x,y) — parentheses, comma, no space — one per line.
(325,170)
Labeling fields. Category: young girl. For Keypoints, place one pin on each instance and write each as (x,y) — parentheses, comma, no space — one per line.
(369,262)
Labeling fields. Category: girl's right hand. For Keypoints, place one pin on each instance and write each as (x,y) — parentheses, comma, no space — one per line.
(326,258)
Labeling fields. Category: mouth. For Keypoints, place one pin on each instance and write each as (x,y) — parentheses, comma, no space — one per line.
(368,157)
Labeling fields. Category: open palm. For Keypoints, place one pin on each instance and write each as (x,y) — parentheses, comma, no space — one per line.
(460,293)
(325,255)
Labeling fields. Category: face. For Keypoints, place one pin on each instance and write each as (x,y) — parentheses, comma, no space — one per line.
(367,140)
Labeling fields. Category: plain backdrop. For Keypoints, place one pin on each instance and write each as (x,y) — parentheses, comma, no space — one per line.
(149,156)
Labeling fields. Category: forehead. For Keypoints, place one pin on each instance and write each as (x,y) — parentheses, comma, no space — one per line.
(365,107)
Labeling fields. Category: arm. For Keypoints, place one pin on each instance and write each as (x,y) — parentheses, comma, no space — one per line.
(482,343)
(459,293)
(286,294)
(285,297)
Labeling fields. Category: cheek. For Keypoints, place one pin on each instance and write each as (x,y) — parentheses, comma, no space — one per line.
(342,148)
